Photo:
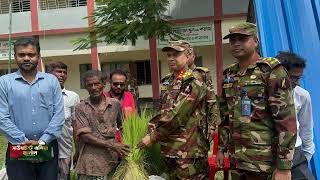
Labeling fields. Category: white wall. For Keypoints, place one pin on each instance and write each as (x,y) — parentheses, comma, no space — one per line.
(61,45)
(21,22)
(63,18)
(180,9)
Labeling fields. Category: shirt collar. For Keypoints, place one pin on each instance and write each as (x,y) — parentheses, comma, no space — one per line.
(120,97)
(251,66)
(236,68)
(108,101)
(18,75)
(64,91)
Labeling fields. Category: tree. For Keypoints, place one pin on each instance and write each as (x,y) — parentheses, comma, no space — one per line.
(121,21)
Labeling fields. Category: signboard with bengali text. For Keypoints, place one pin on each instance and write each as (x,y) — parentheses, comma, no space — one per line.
(4,50)
(196,34)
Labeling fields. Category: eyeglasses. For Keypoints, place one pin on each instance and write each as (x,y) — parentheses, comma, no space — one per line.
(117,84)
(293,77)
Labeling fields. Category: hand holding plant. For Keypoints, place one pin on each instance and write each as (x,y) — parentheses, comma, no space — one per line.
(145,142)
(121,149)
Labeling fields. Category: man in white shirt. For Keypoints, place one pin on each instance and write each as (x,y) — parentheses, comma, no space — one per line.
(302,101)
(59,69)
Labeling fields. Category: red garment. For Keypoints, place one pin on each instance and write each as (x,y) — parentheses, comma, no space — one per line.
(118,136)
(128,108)
(127,102)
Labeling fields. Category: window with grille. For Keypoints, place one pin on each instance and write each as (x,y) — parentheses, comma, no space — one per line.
(17,6)
(143,72)
(57,4)
(198,61)
(5,71)
(83,68)
(140,70)
(109,67)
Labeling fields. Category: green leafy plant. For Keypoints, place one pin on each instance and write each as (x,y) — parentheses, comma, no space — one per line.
(121,21)
(133,166)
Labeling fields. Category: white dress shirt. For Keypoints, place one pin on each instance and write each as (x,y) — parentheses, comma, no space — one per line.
(71,99)
(303,106)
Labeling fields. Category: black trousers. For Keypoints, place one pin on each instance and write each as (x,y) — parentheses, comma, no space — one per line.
(300,170)
(26,170)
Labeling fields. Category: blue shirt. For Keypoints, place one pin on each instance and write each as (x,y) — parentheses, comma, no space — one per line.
(302,102)
(30,111)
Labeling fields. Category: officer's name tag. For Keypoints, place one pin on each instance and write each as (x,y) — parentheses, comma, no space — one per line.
(227,85)
(163,88)
(246,106)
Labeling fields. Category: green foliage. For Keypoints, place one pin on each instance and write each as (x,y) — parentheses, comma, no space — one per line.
(154,162)
(134,129)
(3,149)
(121,21)
(73,175)
(132,166)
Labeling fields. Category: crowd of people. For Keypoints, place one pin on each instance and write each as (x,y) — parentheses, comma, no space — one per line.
(263,117)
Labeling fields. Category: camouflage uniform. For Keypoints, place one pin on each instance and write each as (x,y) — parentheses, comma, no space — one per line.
(211,100)
(265,138)
(133,87)
(181,127)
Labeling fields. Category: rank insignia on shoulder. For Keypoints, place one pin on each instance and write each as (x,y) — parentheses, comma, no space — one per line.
(227,85)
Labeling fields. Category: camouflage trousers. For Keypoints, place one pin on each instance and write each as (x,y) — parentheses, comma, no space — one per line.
(249,175)
(192,168)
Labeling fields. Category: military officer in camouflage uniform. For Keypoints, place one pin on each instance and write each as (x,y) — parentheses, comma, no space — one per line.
(258,125)
(182,126)
(211,99)
(131,85)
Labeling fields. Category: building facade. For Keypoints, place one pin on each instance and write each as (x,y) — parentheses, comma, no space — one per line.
(58,22)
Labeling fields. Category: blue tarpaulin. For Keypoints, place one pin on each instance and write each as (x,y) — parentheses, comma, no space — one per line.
(293,25)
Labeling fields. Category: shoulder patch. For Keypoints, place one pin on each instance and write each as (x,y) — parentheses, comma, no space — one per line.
(204,69)
(166,77)
(231,67)
(271,62)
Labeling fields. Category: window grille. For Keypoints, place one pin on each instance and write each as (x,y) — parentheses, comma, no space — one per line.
(57,4)
(17,6)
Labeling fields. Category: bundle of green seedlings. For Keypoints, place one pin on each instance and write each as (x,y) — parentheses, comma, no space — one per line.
(132,167)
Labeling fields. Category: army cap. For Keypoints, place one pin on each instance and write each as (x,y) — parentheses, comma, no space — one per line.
(179,45)
(246,28)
